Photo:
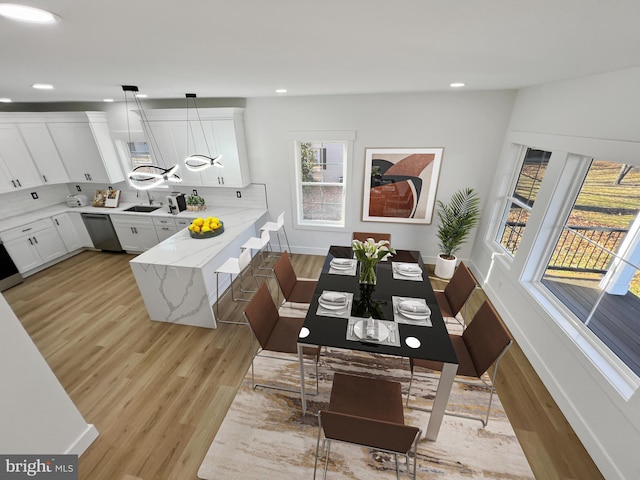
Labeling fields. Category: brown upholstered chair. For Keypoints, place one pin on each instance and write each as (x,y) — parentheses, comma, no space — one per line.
(482,344)
(295,290)
(368,412)
(456,293)
(362,236)
(273,332)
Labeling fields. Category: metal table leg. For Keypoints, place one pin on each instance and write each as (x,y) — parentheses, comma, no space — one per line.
(445,384)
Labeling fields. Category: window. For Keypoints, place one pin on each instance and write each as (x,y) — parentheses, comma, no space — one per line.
(520,202)
(321,192)
(321,162)
(593,269)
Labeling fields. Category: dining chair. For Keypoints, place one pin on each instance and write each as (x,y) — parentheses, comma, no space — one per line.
(482,344)
(368,412)
(362,236)
(275,333)
(234,266)
(456,294)
(294,289)
(277,227)
(260,244)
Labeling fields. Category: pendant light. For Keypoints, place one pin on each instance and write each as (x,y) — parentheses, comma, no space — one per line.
(198,161)
(145,177)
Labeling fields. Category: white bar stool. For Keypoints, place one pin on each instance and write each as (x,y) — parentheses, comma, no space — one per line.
(233,266)
(259,244)
(276,227)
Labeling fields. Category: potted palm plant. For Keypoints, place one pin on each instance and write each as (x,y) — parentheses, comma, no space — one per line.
(457,219)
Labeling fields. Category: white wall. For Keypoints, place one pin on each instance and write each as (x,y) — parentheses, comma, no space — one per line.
(596,116)
(470,127)
(36,414)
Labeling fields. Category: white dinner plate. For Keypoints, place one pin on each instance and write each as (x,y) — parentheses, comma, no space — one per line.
(409,270)
(414,309)
(332,305)
(413,316)
(360,330)
(341,265)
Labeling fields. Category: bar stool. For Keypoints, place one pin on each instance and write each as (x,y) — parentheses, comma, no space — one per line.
(276,227)
(259,244)
(233,266)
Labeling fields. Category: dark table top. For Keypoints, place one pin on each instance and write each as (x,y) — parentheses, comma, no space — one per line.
(332,332)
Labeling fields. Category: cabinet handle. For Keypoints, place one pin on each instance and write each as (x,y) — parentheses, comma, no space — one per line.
(56,220)
(14,184)
(30,241)
(26,230)
(19,184)
(35,240)
(45,179)
(90,177)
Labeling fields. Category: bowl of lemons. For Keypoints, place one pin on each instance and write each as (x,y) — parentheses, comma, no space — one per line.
(206,227)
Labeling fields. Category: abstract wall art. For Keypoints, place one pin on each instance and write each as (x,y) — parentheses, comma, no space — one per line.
(400,184)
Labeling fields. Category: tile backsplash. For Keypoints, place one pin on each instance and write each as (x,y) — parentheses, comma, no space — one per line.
(16,203)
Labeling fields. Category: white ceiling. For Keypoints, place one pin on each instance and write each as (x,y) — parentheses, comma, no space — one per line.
(249,48)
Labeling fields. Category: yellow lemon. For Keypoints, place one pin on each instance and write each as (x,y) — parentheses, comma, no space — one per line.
(198,221)
(205,228)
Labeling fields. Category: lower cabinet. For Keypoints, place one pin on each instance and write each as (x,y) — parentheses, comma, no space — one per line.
(135,232)
(33,244)
(72,231)
(165,227)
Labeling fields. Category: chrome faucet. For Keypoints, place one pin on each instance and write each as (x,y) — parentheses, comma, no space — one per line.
(149,197)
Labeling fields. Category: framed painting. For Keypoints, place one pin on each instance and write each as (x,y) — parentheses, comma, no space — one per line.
(400,184)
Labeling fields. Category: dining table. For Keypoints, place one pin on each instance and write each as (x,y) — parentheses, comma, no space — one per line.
(398,316)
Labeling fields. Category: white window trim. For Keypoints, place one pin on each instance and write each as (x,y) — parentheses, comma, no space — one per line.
(346,136)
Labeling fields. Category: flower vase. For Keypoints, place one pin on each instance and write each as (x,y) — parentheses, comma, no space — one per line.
(368,273)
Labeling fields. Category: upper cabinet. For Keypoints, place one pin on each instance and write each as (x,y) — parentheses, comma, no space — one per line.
(17,170)
(43,152)
(85,147)
(219,131)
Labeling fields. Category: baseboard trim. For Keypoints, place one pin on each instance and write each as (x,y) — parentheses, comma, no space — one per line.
(84,440)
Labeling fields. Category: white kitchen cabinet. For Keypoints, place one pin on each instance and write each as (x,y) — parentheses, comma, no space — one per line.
(220,131)
(68,233)
(17,170)
(85,147)
(44,153)
(33,244)
(135,232)
(165,227)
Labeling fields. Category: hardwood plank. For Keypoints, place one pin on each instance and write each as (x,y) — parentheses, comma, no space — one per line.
(158,393)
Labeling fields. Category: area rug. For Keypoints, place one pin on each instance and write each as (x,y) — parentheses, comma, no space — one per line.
(265,436)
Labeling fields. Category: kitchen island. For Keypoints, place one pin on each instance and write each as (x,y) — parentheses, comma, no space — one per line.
(177,277)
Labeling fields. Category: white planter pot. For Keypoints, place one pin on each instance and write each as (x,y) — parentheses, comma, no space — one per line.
(445,268)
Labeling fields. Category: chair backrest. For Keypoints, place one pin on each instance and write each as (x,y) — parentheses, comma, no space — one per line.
(393,437)
(244,259)
(280,221)
(265,238)
(486,337)
(362,236)
(460,288)
(285,274)
(262,314)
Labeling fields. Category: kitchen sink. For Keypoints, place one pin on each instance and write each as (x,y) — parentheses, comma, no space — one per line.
(142,208)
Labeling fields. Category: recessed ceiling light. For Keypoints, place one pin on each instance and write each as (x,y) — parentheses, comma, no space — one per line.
(23,13)
(281,90)
(5,100)
(456,84)
(108,100)
(43,86)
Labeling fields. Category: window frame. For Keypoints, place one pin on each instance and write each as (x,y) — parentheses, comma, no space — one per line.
(294,139)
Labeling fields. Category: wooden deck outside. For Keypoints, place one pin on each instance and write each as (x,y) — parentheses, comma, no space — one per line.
(616,321)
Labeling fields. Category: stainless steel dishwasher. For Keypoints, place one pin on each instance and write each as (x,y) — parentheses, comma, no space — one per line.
(101,231)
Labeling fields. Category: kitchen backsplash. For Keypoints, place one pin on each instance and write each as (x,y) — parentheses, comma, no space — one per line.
(16,203)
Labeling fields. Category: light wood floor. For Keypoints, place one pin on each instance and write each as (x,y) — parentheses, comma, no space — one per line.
(157,393)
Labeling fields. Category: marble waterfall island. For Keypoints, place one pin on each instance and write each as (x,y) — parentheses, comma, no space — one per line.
(177,277)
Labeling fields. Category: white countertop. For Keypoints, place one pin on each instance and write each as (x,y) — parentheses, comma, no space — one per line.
(46,212)
(181,250)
